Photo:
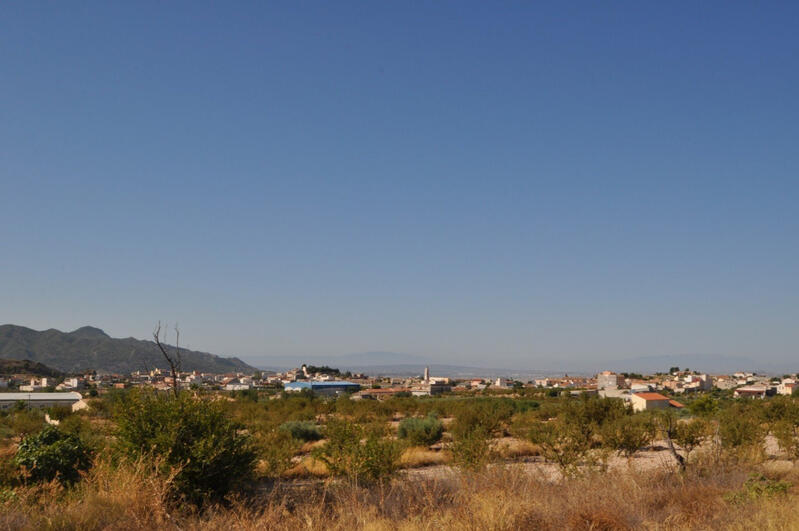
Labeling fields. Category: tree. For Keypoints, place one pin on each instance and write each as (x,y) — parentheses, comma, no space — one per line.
(739,428)
(689,435)
(704,406)
(628,434)
(667,423)
(174,359)
(53,454)
(562,442)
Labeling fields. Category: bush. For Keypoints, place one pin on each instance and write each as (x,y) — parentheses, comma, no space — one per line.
(302,430)
(359,454)
(421,432)
(704,406)
(738,429)
(52,454)
(485,414)
(190,437)
(275,450)
(758,487)
(628,434)
(472,450)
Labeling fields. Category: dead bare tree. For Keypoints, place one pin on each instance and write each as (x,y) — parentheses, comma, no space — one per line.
(173,359)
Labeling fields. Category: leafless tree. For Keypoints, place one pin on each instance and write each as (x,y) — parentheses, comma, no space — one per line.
(174,358)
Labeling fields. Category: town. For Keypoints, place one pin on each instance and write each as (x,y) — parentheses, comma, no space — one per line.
(640,391)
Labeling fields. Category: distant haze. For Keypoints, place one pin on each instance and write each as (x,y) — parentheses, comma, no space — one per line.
(539,186)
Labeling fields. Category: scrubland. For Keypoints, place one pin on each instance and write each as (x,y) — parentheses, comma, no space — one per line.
(461,462)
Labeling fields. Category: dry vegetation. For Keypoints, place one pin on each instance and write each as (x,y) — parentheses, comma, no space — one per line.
(344,465)
(502,497)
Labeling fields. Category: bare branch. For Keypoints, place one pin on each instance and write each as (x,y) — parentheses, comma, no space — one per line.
(173,360)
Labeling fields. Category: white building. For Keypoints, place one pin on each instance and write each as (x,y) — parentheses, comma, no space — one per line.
(648,401)
(609,380)
(752,391)
(787,386)
(10,400)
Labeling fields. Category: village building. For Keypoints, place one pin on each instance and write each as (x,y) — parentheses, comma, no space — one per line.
(609,380)
(650,401)
(754,391)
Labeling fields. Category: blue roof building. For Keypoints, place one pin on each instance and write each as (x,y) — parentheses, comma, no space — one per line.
(329,388)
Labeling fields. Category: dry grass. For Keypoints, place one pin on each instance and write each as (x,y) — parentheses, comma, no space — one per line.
(513,448)
(311,445)
(419,456)
(307,467)
(498,499)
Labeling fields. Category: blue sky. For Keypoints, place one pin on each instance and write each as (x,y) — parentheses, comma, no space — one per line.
(496,184)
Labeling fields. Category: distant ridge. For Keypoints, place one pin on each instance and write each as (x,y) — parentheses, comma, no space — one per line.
(91,348)
(701,362)
(26,367)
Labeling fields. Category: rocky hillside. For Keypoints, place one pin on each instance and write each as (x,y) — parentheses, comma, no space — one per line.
(90,348)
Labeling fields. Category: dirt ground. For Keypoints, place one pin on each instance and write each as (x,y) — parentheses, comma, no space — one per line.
(656,457)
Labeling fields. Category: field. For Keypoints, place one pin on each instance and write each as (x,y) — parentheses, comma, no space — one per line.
(487,461)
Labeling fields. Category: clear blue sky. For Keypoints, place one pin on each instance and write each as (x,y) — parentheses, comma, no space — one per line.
(496,184)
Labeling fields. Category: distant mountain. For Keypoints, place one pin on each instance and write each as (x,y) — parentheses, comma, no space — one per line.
(28,368)
(90,348)
(711,363)
(397,364)
(356,361)
(452,371)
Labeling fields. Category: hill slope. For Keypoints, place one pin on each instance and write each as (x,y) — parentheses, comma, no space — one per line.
(26,367)
(91,348)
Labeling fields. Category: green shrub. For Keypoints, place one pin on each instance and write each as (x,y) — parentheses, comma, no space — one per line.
(421,432)
(25,422)
(52,454)
(472,450)
(359,454)
(189,436)
(486,414)
(704,406)
(738,429)
(302,430)
(275,450)
(758,487)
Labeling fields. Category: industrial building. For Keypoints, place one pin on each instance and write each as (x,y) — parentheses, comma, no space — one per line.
(326,388)
(9,400)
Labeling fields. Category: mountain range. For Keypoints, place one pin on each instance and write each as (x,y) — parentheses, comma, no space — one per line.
(90,348)
(393,363)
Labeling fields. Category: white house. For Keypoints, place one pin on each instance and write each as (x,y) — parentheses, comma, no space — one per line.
(787,386)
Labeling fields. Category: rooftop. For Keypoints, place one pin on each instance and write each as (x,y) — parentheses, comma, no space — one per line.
(327,383)
(650,396)
(39,396)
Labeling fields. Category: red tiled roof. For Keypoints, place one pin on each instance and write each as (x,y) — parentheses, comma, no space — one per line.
(651,396)
(674,403)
